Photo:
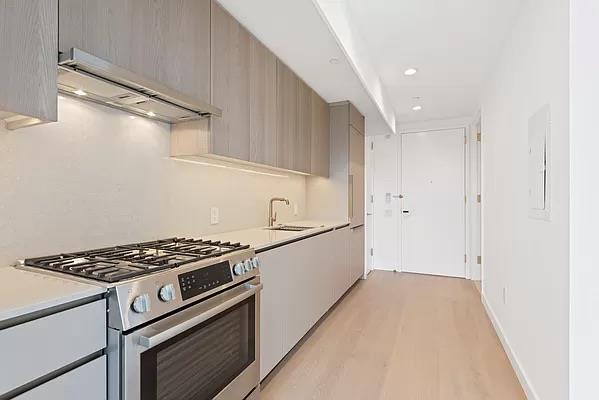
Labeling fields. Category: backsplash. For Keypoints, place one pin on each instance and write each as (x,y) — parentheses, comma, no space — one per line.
(100,177)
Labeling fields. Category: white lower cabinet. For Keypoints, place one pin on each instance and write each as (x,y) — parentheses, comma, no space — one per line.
(302,280)
(85,382)
(356,253)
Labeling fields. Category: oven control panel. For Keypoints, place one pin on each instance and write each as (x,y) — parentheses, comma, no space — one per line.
(196,282)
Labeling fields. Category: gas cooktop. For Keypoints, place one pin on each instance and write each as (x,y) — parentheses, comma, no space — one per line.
(118,263)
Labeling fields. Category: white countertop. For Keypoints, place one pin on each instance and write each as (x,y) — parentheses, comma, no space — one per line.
(261,238)
(25,292)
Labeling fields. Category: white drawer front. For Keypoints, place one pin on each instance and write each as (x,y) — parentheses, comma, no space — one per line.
(36,348)
(86,382)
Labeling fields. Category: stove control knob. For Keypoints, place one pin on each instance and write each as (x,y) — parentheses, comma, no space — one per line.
(255,262)
(167,293)
(239,269)
(248,265)
(141,304)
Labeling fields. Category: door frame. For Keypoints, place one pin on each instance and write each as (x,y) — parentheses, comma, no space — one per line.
(467,133)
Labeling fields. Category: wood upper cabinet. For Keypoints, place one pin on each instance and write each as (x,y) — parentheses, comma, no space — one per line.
(263,104)
(230,85)
(356,119)
(356,177)
(287,89)
(303,139)
(320,157)
(163,40)
(29,48)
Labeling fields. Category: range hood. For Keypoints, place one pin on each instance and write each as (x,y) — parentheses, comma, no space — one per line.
(90,78)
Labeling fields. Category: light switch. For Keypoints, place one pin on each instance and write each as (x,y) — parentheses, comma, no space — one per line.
(214,215)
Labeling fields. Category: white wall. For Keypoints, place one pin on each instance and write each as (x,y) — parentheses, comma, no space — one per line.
(99,178)
(584,195)
(527,257)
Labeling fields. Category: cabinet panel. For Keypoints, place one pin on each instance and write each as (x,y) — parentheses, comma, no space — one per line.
(86,382)
(303,139)
(164,40)
(356,259)
(356,119)
(29,45)
(320,158)
(263,104)
(273,275)
(230,85)
(356,172)
(287,87)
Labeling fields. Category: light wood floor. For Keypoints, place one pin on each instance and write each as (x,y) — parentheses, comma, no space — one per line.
(402,337)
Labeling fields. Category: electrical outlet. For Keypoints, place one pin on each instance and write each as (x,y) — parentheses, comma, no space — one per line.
(504,295)
(214,215)
(295,209)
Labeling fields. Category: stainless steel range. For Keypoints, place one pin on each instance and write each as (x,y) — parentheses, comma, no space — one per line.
(183,317)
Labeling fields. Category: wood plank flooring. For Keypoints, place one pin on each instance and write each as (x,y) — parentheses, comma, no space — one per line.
(402,337)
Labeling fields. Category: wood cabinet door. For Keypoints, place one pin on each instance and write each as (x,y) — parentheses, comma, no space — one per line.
(28,44)
(356,119)
(320,156)
(356,172)
(287,87)
(163,40)
(230,85)
(303,138)
(263,104)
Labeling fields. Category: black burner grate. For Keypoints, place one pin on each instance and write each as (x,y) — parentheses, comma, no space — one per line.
(114,264)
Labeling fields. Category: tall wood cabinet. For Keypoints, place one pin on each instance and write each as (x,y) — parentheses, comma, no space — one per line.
(347,163)
(164,40)
(29,46)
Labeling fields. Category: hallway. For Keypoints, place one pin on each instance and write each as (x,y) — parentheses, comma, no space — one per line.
(402,337)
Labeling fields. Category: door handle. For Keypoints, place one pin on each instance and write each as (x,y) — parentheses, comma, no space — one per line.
(405,212)
(398,196)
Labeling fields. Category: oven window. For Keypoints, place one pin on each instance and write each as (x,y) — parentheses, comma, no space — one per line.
(199,363)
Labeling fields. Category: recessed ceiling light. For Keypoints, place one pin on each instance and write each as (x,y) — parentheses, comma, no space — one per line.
(334,61)
(151,114)
(410,71)
(79,92)
(131,116)
(417,108)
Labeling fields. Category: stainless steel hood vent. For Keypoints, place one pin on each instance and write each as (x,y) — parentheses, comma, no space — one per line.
(90,78)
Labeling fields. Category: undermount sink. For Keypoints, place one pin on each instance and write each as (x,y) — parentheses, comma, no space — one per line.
(291,228)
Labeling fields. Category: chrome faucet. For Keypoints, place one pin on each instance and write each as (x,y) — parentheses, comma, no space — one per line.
(272,218)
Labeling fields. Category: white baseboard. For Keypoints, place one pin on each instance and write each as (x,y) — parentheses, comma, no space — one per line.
(531,394)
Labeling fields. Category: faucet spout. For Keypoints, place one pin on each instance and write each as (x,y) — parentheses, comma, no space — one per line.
(272,217)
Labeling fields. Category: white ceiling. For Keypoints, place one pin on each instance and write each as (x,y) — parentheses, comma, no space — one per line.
(453,43)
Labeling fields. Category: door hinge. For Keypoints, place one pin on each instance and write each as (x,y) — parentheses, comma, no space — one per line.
(465,258)
(371,251)
(478,198)
(478,137)
(372,198)
(371,145)
(479,260)
(465,199)
(465,139)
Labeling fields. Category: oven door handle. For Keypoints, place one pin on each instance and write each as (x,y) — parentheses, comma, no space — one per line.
(170,332)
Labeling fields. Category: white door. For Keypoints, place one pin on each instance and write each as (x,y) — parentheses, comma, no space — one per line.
(369,204)
(433,207)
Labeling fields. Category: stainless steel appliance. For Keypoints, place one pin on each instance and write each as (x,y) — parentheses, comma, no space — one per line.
(90,78)
(183,317)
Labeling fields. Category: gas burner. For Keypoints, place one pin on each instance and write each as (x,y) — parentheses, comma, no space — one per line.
(118,263)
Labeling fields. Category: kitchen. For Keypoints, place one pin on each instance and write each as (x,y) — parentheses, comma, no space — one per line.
(200,200)
(212,139)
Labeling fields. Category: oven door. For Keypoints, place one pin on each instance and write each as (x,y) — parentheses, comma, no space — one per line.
(208,351)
